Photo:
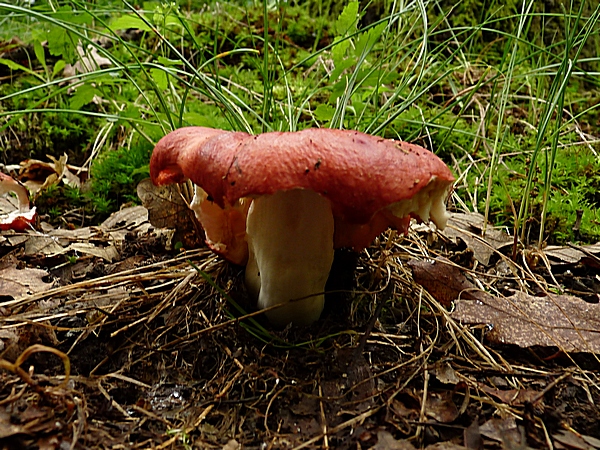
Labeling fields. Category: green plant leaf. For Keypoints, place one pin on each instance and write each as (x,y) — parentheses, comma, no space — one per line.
(59,43)
(160,78)
(367,40)
(169,62)
(83,95)
(324,113)
(40,54)
(58,67)
(347,21)
(340,66)
(128,21)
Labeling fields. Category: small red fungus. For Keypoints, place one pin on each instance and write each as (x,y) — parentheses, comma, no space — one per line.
(23,217)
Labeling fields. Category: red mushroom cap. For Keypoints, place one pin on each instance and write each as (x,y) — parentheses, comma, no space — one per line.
(359,174)
(18,221)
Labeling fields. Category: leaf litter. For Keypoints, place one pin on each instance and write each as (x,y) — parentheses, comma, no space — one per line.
(433,344)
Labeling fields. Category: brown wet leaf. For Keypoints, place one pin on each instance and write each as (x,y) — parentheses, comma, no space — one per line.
(443,280)
(514,397)
(472,436)
(385,441)
(440,407)
(561,321)
(574,441)
(501,430)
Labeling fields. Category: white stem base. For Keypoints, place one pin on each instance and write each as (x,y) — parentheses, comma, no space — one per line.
(290,243)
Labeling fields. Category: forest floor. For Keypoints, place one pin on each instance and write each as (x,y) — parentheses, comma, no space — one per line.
(441,340)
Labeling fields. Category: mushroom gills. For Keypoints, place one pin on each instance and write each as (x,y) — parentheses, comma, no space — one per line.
(428,203)
(290,243)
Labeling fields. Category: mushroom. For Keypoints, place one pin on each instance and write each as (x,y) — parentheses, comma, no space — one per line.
(23,217)
(281,202)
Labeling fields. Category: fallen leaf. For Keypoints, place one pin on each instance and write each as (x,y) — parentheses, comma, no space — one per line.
(514,397)
(501,430)
(101,241)
(439,406)
(572,440)
(108,253)
(90,60)
(14,340)
(42,244)
(469,227)
(472,436)
(167,209)
(404,412)
(7,428)
(445,374)
(41,175)
(126,218)
(232,444)
(443,280)
(17,283)
(385,441)
(585,255)
(570,254)
(561,321)
(165,204)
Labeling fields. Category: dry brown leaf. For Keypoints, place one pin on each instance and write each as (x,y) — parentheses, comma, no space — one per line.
(586,254)
(561,321)
(40,175)
(42,244)
(445,374)
(469,228)
(7,428)
(167,209)
(108,253)
(17,283)
(126,218)
(472,436)
(101,241)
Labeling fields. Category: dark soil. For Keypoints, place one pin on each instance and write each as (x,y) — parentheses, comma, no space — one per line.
(156,361)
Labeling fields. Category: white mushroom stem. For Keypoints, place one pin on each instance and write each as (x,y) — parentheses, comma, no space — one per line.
(290,243)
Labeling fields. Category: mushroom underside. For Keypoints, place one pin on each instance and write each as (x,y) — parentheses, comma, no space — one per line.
(287,240)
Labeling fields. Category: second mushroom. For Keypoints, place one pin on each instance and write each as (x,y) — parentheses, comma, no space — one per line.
(280,203)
